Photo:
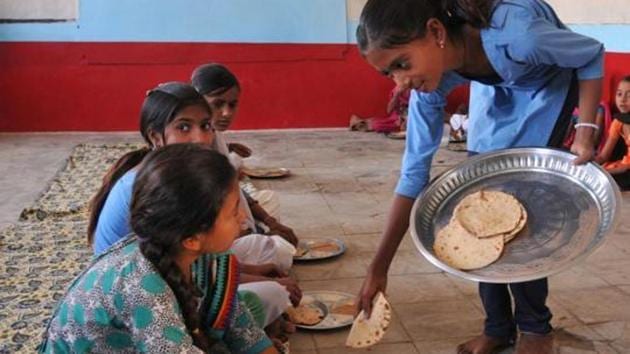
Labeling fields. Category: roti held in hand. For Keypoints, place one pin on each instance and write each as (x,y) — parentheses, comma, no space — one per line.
(366,332)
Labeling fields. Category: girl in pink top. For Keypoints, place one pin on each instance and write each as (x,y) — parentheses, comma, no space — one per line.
(393,122)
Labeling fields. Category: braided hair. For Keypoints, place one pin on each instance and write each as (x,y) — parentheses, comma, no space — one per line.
(178,193)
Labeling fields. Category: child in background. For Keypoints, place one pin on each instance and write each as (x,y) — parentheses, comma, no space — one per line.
(221,89)
(396,119)
(458,128)
(176,113)
(619,166)
(144,294)
(458,123)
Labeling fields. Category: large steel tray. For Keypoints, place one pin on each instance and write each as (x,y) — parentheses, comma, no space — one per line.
(571,209)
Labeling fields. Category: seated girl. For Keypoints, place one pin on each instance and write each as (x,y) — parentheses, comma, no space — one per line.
(396,118)
(143,294)
(221,89)
(176,113)
(613,160)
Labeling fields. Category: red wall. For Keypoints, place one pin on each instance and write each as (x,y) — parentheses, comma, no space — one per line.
(100,86)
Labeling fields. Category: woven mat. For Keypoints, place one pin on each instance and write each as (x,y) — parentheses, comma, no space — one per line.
(43,252)
(37,261)
(71,190)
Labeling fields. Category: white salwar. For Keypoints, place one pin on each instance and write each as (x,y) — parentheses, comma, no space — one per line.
(257,249)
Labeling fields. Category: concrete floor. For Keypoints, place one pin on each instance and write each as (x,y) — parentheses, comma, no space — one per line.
(341,187)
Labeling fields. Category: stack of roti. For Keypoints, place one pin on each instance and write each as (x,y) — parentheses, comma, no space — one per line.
(366,332)
(481,225)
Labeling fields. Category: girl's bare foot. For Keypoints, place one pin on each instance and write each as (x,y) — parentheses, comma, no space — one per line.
(534,344)
(483,344)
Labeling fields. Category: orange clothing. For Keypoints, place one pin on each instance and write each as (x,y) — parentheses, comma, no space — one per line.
(616,130)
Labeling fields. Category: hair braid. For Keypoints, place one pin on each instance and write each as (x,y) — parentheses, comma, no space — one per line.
(185,292)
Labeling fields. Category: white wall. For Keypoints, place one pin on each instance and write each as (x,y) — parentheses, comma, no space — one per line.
(592,11)
(570,11)
(39,9)
(354,9)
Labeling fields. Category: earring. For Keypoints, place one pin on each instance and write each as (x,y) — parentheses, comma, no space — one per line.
(441,44)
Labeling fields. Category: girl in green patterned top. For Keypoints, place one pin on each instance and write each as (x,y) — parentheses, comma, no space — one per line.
(141,296)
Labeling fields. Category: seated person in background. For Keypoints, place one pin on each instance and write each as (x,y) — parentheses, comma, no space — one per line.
(221,89)
(144,293)
(458,123)
(396,119)
(615,154)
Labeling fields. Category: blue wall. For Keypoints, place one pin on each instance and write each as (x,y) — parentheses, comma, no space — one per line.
(245,21)
(225,21)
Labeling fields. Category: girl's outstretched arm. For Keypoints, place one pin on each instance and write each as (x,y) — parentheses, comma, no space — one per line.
(584,144)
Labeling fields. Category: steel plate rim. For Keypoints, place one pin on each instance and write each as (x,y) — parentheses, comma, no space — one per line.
(317,327)
(339,242)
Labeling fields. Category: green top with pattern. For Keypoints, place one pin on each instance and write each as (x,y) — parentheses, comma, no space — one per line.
(121,304)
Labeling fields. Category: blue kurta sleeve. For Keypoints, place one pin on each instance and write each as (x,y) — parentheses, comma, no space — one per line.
(544,43)
(424,133)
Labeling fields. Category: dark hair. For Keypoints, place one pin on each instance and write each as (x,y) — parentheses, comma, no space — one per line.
(389,23)
(213,78)
(625,79)
(159,108)
(179,192)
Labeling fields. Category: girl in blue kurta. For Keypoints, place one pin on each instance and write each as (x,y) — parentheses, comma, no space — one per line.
(144,294)
(526,70)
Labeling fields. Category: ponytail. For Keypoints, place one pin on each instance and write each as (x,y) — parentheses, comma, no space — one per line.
(122,166)
(159,108)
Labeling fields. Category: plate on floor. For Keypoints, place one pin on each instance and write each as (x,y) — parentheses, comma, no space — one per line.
(397,135)
(339,308)
(571,210)
(266,172)
(320,248)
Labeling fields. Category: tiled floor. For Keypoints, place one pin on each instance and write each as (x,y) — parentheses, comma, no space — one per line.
(341,187)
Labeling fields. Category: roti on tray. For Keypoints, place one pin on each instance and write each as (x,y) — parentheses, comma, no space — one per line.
(455,246)
(519,227)
(366,332)
(488,213)
(493,218)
